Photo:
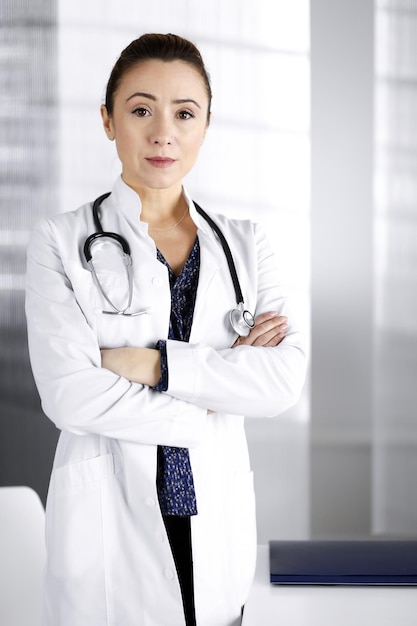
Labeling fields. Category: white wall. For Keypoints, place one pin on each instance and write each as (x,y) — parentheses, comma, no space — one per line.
(364,227)
(342,265)
(395,416)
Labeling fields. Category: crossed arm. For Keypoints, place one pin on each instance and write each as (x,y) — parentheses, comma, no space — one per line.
(142,365)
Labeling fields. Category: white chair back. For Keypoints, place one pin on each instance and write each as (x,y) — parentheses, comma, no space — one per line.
(22,556)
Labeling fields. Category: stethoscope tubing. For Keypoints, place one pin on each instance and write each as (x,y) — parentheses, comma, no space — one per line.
(241,319)
(227,252)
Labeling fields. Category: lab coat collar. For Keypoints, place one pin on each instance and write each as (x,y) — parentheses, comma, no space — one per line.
(124,200)
(199,221)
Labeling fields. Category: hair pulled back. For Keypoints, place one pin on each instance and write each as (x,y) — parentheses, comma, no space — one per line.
(156,46)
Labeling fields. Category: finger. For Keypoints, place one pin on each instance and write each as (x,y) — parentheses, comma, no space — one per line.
(274,320)
(275,340)
(265,334)
(268,328)
(271,338)
(267,325)
(269,315)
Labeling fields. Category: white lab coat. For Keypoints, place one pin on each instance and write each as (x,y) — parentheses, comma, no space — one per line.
(109,561)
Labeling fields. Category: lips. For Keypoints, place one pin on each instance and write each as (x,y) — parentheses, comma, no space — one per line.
(160,162)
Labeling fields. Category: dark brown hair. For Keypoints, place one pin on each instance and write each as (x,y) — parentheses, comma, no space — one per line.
(155,46)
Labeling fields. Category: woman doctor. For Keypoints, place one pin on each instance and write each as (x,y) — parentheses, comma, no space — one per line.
(150,512)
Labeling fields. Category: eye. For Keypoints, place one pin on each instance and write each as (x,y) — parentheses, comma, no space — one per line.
(185,115)
(140,112)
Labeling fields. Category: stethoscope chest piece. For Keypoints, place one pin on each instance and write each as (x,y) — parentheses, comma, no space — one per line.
(242,321)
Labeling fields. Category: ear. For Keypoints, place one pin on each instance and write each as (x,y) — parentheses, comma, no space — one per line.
(107,122)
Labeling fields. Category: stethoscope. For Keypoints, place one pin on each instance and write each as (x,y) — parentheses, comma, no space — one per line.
(240,318)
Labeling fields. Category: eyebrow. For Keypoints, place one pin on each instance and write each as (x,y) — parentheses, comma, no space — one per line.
(149,96)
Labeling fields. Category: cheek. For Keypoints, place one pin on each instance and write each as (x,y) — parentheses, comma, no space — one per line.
(194,143)
(125,142)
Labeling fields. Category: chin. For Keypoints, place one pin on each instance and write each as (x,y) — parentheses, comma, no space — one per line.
(159,183)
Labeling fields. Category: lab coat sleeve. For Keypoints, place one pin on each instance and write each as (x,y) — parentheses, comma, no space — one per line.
(246,380)
(77,394)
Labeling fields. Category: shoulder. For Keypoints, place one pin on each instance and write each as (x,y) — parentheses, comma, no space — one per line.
(60,233)
(245,233)
(229,226)
(67,223)
(68,219)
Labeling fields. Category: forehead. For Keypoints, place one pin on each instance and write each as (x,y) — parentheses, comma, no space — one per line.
(176,78)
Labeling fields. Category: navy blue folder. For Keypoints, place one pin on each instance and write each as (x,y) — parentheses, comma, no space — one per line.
(373,562)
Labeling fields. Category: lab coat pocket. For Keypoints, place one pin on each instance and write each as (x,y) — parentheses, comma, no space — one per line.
(77,475)
(91,291)
(77,519)
(245,531)
(112,290)
(83,288)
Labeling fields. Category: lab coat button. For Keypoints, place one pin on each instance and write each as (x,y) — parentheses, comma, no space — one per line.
(169,574)
(160,536)
(157,281)
(150,502)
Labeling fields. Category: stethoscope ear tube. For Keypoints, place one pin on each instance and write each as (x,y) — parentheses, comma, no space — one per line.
(96,205)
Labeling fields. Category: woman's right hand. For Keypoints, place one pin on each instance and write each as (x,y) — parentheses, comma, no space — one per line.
(269,330)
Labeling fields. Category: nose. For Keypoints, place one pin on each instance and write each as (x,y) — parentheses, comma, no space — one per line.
(162,132)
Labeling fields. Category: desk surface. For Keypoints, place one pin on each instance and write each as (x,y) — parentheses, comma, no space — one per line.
(279,605)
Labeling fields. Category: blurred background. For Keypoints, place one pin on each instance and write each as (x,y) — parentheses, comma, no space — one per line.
(313,134)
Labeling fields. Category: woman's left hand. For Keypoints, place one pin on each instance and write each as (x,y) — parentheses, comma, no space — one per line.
(269,330)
